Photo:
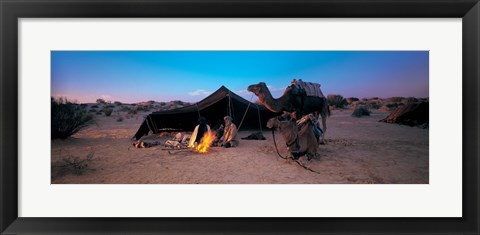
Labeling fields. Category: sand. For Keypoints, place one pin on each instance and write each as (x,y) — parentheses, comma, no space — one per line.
(358,151)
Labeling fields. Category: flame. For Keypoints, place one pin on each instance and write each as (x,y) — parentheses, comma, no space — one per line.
(206,142)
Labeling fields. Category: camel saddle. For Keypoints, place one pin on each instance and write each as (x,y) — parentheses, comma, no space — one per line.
(307,88)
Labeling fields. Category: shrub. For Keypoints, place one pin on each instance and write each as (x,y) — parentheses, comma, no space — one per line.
(132,111)
(373,104)
(352,99)
(361,110)
(336,101)
(140,108)
(392,106)
(76,164)
(107,111)
(94,107)
(100,101)
(67,118)
(178,102)
(119,119)
(395,99)
(147,107)
(125,109)
(117,103)
(411,100)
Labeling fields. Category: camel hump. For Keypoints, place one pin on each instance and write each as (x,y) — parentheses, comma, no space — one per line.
(311,88)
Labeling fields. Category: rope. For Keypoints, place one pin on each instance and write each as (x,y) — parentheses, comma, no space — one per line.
(245,114)
(275,143)
(296,161)
(153,124)
(148,125)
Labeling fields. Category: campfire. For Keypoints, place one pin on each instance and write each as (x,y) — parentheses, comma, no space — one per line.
(206,142)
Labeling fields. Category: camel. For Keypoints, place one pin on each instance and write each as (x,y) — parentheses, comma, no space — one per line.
(290,102)
(300,140)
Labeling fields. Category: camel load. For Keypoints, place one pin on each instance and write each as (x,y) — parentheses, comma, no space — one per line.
(307,88)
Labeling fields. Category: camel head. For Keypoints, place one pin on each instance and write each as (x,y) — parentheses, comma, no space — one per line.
(257,89)
(279,121)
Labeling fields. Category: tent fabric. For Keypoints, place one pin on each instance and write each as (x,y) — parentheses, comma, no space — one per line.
(221,103)
(411,114)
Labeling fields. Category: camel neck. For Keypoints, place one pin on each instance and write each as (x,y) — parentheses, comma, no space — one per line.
(275,105)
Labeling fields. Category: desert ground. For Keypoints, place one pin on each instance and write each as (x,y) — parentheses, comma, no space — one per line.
(357,151)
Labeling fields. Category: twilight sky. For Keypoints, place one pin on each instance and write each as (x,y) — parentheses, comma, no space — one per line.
(135,76)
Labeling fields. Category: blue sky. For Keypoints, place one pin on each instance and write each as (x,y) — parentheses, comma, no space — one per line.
(135,76)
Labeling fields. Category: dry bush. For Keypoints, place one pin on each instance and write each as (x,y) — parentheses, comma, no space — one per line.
(76,165)
(67,118)
(411,100)
(178,102)
(374,104)
(360,111)
(350,100)
(101,101)
(147,107)
(390,106)
(395,99)
(132,111)
(140,108)
(107,111)
(336,101)
(125,109)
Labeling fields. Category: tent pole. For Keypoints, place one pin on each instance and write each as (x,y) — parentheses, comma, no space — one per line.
(229,105)
(259,119)
(198,110)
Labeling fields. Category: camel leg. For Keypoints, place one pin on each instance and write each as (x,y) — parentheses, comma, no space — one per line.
(310,156)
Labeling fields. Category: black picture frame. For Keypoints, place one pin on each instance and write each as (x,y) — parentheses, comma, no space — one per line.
(11,11)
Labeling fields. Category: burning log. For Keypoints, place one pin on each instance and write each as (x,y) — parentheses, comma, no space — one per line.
(206,142)
(202,147)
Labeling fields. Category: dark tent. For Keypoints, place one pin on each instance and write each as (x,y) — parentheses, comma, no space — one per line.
(221,103)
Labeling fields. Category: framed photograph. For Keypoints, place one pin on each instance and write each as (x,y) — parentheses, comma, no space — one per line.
(239,117)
